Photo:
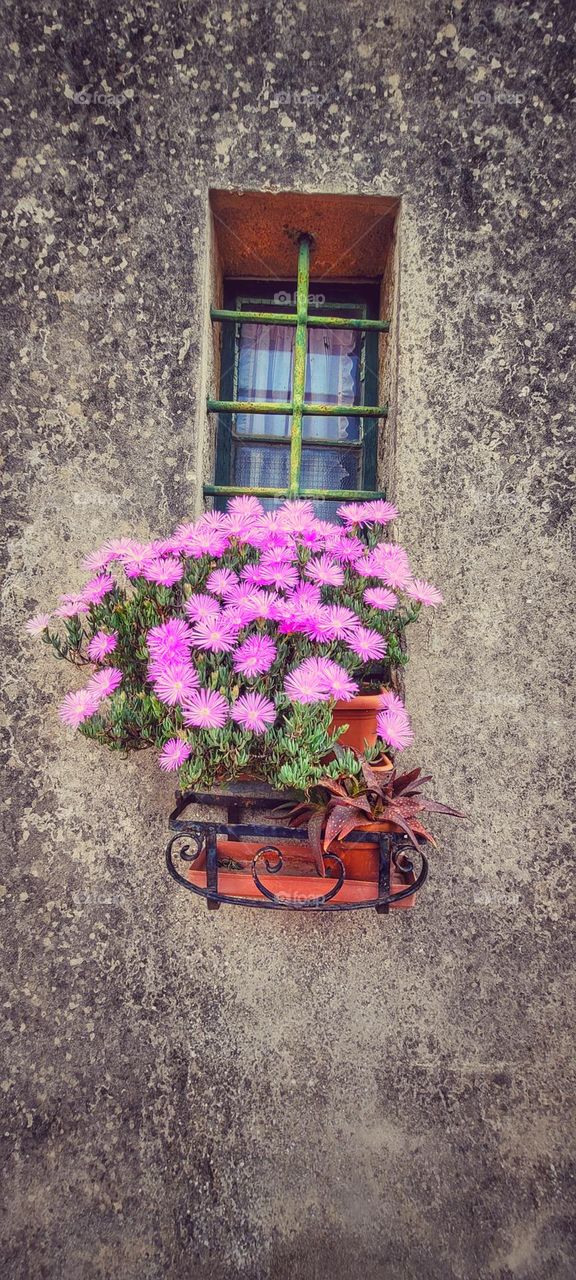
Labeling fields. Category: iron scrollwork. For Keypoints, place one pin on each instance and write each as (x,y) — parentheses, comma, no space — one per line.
(201,838)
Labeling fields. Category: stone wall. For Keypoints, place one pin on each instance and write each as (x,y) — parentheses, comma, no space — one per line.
(254,1096)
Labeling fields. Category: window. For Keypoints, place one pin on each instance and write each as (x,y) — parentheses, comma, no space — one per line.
(298,413)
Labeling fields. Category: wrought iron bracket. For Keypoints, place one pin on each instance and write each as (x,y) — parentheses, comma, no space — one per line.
(200,843)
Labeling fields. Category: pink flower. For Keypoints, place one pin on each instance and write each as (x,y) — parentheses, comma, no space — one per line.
(389,562)
(213,520)
(306,683)
(246,506)
(345,546)
(251,575)
(254,656)
(206,542)
(325,571)
(305,596)
(254,712)
(344,621)
(277,573)
(317,624)
(253,605)
(220,581)
(423,592)
(36,625)
(98,559)
(170,640)
(115,549)
(97,588)
(200,607)
(70,606)
(206,709)
(101,644)
(136,566)
(378,512)
(314,536)
(393,722)
(175,682)
(380,598)
(368,644)
(295,515)
(217,635)
(103,683)
(350,512)
(78,707)
(173,754)
(165,571)
(337,682)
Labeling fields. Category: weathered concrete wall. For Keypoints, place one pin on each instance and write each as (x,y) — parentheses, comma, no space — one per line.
(251,1096)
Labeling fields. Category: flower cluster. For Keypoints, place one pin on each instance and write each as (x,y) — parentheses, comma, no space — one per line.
(228,643)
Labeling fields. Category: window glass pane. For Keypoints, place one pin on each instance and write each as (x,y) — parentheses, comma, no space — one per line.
(329,468)
(261,465)
(333,369)
(265,373)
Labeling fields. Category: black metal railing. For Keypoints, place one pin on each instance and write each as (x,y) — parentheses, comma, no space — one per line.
(200,846)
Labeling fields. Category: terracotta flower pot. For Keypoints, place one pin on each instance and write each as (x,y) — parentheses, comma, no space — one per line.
(297,881)
(360,716)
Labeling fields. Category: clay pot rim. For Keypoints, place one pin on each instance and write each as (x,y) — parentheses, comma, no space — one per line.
(359,703)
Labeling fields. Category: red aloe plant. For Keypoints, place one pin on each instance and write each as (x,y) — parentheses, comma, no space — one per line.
(351,805)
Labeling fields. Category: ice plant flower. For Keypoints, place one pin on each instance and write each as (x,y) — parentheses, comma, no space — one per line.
(70,606)
(78,707)
(206,709)
(246,506)
(305,596)
(254,712)
(296,514)
(380,598)
(350,512)
(344,622)
(36,625)
(254,656)
(165,571)
(393,722)
(367,644)
(173,754)
(199,540)
(200,607)
(104,683)
(325,571)
(170,639)
(101,645)
(389,562)
(220,581)
(306,684)
(175,682)
(317,624)
(217,634)
(277,573)
(333,679)
(378,512)
(423,592)
(97,588)
(337,682)
(253,605)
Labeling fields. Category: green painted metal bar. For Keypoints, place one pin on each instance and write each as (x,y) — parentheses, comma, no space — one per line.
(316,322)
(332,495)
(283,442)
(299,364)
(307,409)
